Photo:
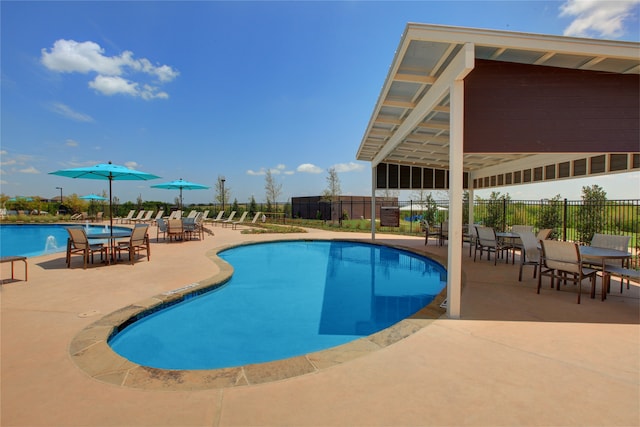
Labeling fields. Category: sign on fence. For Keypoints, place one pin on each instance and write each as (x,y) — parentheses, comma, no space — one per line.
(389,216)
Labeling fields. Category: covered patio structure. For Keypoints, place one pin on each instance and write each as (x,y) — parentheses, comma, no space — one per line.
(466,108)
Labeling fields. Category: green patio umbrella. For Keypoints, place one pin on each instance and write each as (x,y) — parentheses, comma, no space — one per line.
(106,171)
(180,184)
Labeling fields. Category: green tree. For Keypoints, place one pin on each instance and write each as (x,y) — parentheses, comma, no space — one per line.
(496,210)
(551,216)
(253,206)
(591,218)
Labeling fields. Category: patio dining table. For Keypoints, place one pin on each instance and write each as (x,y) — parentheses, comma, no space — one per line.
(601,256)
(111,237)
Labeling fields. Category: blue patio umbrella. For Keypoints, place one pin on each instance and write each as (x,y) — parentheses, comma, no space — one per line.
(106,171)
(93,197)
(180,184)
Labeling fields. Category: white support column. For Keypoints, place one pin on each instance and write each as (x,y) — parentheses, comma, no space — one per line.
(456,174)
(373,201)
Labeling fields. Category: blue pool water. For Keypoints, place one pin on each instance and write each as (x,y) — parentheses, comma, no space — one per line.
(38,239)
(285,299)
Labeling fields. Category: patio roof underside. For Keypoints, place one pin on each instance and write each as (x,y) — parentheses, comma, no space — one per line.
(536,108)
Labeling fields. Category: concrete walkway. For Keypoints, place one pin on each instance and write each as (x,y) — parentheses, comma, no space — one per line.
(515,357)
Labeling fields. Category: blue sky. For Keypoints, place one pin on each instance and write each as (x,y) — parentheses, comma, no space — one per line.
(197,90)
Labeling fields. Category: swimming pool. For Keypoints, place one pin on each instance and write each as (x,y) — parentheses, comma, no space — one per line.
(38,239)
(284,299)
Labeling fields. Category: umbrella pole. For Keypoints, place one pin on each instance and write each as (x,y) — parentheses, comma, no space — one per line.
(111,242)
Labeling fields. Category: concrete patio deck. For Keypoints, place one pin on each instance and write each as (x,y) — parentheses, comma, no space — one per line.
(515,357)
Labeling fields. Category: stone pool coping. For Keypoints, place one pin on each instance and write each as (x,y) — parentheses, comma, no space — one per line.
(90,351)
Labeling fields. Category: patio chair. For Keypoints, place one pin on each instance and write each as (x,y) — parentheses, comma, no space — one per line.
(162,229)
(516,244)
(530,254)
(228,220)
(192,227)
(79,244)
(175,229)
(488,241)
(543,234)
(562,261)
(138,242)
(471,237)
(611,241)
(424,226)
(444,232)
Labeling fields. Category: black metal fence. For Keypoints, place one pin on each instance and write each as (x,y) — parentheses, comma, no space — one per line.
(569,219)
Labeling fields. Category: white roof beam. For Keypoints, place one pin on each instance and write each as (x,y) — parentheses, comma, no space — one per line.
(459,67)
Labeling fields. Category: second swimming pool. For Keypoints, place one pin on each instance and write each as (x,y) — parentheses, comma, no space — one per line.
(283,300)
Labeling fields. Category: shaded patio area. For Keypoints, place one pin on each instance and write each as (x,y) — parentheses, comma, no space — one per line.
(514,357)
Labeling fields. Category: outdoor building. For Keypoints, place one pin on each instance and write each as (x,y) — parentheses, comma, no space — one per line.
(466,108)
(342,207)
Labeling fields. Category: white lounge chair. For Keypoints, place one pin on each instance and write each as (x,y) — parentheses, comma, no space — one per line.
(228,220)
(253,221)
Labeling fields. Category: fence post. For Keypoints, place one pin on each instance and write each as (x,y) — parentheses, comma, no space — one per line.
(564,221)
(504,214)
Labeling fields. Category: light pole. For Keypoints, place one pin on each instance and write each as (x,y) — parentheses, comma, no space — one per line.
(222,180)
(60,188)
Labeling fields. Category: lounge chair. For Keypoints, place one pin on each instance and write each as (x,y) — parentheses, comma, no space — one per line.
(137,217)
(228,220)
(562,261)
(126,218)
(217,218)
(192,214)
(253,221)
(234,224)
(79,244)
(175,215)
(158,216)
(145,218)
(139,241)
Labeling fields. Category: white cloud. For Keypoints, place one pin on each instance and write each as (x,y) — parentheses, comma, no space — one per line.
(71,143)
(111,85)
(604,18)
(69,56)
(132,165)
(68,112)
(262,171)
(348,167)
(309,168)
(30,170)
